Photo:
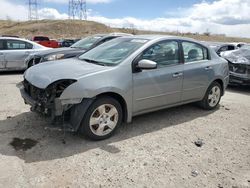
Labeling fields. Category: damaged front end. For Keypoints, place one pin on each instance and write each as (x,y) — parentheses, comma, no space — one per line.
(48,103)
(239,66)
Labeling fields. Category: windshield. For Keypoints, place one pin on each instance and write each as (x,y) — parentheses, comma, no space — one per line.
(86,43)
(113,52)
(247,47)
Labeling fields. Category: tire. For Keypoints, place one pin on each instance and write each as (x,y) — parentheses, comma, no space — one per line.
(212,97)
(106,116)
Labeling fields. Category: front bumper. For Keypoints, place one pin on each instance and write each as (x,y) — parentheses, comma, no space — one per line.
(57,109)
(26,97)
(64,116)
(237,79)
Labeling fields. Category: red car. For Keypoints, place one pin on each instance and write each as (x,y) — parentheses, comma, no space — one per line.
(45,41)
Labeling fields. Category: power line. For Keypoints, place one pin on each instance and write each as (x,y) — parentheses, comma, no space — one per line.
(33,12)
(77,9)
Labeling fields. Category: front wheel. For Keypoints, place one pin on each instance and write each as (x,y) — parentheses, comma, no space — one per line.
(212,97)
(101,119)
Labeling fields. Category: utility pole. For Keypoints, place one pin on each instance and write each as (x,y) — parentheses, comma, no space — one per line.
(33,12)
(77,9)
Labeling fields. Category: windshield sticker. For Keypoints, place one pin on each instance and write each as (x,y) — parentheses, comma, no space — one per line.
(139,40)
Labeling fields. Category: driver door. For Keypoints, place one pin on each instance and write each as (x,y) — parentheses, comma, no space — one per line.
(162,86)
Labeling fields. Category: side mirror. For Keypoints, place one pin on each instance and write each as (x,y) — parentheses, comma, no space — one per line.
(147,64)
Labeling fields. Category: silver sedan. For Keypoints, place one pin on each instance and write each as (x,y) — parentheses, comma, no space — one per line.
(14,51)
(123,78)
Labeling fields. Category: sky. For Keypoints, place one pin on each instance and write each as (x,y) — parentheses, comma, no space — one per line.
(230,17)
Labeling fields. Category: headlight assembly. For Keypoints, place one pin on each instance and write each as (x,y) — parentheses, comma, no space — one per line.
(54,57)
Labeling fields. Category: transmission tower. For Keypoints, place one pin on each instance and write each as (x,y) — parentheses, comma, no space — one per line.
(77,9)
(33,13)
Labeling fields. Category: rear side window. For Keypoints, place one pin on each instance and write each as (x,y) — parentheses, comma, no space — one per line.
(194,52)
(164,53)
(18,45)
(1,45)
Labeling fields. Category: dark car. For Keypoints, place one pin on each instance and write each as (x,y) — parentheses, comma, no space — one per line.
(222,47)
(76,49)
(66,42)
(239,65)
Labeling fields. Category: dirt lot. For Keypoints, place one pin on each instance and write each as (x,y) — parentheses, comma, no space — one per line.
(156,150)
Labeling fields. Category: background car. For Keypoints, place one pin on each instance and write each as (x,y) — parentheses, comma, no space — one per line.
(76,49)
(222,47)
(45,41)
(14,51)
(66,42)
(239,65)
(125,77)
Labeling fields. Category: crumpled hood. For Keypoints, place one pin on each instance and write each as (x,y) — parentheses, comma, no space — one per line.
(240,56)
(44,74)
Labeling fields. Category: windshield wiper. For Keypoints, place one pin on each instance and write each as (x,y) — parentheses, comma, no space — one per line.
(94,62)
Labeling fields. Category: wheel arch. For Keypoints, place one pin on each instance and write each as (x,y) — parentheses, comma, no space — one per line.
(218,80)
(120,99)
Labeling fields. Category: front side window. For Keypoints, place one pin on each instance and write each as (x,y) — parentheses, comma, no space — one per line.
(113,52)
(18,45)
(163,53)
(194,52)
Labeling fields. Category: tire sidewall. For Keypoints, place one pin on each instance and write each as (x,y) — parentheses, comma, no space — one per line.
(85,128)
(207,106)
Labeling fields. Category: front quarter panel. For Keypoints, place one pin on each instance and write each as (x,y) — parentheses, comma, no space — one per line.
(116,80)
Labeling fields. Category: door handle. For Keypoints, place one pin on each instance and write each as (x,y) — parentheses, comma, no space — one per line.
(209,68)
(177,75)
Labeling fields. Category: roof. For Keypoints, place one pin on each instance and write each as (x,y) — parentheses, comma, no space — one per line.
(154,37)
(14,38)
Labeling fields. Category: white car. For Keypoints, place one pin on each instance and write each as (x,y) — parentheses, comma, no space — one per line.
(14,51)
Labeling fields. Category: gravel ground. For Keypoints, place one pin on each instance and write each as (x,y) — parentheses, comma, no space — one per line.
(156,150)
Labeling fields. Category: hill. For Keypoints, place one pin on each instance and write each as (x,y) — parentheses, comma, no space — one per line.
(77,29)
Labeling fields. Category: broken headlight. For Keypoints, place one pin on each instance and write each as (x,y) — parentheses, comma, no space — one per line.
(58,87)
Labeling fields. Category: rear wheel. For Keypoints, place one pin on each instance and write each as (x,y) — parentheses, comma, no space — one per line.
(101,119)
(212,97)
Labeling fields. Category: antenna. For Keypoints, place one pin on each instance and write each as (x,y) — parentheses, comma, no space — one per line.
(33,13)
(77,9)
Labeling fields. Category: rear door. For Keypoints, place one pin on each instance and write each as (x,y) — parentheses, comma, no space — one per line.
(198,71)
(2,60)
(162,86)
(16,53)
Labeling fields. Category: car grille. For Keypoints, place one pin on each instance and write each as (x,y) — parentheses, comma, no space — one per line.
(238,68)
(248,70)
